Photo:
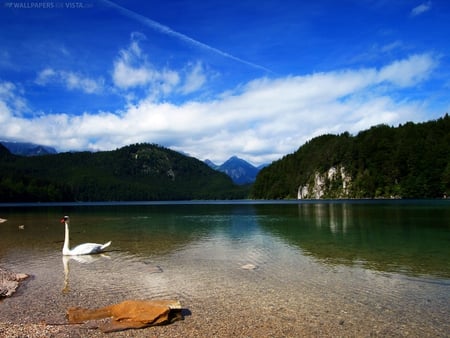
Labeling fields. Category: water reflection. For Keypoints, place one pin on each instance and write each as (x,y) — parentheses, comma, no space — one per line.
(406,236)
(84,259)
(332,216)
(410,239)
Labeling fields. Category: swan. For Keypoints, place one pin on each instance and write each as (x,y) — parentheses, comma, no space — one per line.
(82,249)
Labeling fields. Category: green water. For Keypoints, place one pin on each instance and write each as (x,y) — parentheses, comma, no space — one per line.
(366,255)
(404,237)
(411,237)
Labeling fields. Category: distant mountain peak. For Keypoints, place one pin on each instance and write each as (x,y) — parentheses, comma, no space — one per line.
(28,149)
(211,164)
(240,171)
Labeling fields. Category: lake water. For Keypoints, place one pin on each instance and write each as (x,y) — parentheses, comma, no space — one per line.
(378,265)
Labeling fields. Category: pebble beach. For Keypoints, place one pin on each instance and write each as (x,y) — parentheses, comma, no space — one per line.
(255,312)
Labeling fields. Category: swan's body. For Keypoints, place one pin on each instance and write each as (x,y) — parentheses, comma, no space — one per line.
(82,249)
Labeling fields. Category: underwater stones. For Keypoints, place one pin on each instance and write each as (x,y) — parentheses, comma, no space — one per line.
(249,266)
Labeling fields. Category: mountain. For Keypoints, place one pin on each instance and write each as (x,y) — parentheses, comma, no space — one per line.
(28,149)
(240,171)
(408,161)
(136,172)
(262,166)
(211,164)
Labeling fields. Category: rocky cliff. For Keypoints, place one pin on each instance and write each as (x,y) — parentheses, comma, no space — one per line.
(333,183)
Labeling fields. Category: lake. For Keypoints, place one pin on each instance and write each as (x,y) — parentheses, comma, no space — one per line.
(340,268)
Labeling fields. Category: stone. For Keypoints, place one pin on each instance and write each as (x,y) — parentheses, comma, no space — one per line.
(249,266)
(9,281)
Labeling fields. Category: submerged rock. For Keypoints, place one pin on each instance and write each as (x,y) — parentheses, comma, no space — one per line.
(9,281)
(249,266)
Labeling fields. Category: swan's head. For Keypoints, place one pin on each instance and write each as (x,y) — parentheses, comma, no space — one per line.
(65,219)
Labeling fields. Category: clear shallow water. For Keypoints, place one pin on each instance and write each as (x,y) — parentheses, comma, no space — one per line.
(384,260)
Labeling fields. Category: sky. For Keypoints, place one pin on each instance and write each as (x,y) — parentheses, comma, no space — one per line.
(214,79)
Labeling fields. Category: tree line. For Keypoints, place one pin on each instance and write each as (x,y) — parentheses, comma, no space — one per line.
(136,172)
(408,161)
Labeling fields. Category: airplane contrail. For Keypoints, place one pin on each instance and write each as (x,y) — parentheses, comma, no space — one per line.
(168,31)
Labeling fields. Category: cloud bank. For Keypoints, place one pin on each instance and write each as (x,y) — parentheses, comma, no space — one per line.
(261,120)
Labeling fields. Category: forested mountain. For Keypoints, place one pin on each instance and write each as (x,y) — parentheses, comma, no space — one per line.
(135,172)
(408,161)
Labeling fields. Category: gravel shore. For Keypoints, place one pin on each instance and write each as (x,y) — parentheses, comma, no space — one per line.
(200,321)
(252,317)
(249,307)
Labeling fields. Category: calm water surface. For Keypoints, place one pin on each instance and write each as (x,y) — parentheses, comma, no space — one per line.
(385,259)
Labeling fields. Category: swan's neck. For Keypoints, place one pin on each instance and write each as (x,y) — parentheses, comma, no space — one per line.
(66,249)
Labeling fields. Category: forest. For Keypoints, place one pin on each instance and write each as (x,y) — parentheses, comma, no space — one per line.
(139,172)
(408,161)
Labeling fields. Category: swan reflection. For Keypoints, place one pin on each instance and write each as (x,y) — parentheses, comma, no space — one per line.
(84,259)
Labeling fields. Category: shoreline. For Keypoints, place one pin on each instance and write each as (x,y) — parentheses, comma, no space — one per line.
(258,314)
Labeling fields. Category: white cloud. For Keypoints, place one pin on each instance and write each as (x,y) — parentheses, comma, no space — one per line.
(391,46)
(133,70)
(169,79)
(12,102)
(422,8)
(70,80)
(260,121)
(75,81)
(409,71)
(45,76)
(195,79)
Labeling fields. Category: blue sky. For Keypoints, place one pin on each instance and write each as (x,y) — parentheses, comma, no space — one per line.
(213,79)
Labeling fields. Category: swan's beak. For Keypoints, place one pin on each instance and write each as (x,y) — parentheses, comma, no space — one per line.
(62,220)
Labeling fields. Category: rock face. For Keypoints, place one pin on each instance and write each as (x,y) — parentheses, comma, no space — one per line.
(9,282)
(334,183)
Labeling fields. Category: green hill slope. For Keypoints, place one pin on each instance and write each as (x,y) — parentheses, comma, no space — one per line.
(409,161)
(135,172)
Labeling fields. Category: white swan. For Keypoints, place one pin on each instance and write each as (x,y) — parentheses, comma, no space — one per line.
(82,249)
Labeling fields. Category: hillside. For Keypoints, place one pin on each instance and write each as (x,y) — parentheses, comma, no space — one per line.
(135,172)
(408,161)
